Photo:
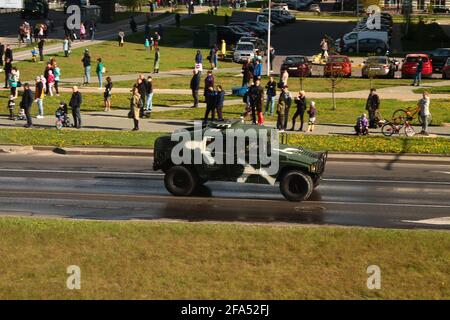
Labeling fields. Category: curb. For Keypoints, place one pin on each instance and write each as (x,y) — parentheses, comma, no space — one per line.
(148,152)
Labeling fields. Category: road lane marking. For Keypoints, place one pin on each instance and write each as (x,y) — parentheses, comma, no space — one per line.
(386,181)
(83,172)
(441,221)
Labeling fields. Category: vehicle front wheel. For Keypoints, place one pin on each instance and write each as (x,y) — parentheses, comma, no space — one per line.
(296,186)
(180,181)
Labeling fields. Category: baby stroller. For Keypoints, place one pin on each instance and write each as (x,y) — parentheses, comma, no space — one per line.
(62,119)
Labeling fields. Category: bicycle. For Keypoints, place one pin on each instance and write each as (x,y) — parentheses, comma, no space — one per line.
(390,128)
(409,114)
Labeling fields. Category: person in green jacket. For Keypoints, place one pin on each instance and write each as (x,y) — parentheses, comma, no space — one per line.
(156,62)
(100,70)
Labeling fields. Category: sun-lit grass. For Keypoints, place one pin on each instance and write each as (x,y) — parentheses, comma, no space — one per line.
(156,260)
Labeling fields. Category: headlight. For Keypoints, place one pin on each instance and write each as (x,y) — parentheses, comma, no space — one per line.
(312,168)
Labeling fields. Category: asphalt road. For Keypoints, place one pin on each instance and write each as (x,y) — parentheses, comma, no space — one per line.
(387,195)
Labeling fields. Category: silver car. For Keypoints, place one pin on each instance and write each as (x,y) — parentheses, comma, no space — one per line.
(378,66)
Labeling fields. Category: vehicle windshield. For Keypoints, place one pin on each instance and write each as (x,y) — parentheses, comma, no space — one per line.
(295,60)
(244,47)
(379,60)
(416,59)
(338,59)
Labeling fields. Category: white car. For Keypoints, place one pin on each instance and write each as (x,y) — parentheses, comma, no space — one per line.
(243,52)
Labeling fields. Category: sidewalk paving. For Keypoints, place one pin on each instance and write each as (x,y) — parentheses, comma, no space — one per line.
(117,120)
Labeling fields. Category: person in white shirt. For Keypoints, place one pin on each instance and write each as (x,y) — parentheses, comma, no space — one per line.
(425,114)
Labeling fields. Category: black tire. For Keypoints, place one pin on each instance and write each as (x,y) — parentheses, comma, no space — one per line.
(296,186)
(180,181)
(388,130)
(351,50)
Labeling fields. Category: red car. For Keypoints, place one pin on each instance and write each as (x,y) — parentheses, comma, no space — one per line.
(410,64)
(446,70)
(297,66)
(338,65)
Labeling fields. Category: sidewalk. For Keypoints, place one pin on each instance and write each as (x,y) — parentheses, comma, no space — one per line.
(117,120)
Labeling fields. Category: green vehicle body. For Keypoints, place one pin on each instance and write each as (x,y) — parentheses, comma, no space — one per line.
(302,168)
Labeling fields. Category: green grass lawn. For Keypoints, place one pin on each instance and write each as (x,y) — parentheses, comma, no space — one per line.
(68,137)
(132,58)
(438,90)
(199,261)
(94,102)
(347,111)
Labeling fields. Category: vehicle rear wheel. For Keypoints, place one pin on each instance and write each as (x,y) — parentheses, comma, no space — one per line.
(296,186)
(350,50)
(180,181)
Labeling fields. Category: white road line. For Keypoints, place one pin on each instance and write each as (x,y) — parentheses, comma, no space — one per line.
(441,221)
(383,204)
(388,181)
(444,172)
(84,172)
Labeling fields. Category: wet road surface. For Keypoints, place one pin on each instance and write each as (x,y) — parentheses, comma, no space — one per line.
(388,195)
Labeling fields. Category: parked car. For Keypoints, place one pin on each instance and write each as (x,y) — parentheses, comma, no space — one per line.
(281,14)
(314,8)
(366,45)
(35,9)
(446,70)
(439,57)
(410,64)
(243,52)
(378,66)
(297,66)
(257,29)
(228,34)
(259,44)
(338,65)
(242,29)
(280,5)
(351,37)
(441,9)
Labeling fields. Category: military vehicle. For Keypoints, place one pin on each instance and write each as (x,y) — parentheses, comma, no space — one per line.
(298,171)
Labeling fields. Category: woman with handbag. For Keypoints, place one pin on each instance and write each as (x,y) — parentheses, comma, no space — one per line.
(100,70)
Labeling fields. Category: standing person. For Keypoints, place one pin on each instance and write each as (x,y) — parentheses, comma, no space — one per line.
(271,94)
(11,107)
(57,73)
(425,114)
(82,32)
(121,38)
(324,47)
(372,107)
(87,67)
(211,58)
(66,46)
(271,57)
(107,94)
(92,29)
(247,73)
(210,104)
(135,107)
(156,62)
(75,104)
(209,81)
(284,104)
(147,44)
(300,102)
(195,86)
(50,82)
(220,98)
(2,52)
(257,72)
(157,39)
(312,113)
(198,57)
(284,77)
(418,75)
(26,103)
(14,80)
(215,57)
(256,95)
(41,49)
(99,71)
(39,95)
(9,53)
(149,95)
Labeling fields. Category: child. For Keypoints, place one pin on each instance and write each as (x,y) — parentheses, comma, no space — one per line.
(51,82)
(147,44)
(362,125)
(151,44)
(312,113)
(34,54)
(11,106)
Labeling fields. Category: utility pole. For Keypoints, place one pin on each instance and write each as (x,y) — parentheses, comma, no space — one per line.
(268,38)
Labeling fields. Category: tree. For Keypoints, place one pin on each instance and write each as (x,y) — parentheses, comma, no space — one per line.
(132,4)
(335,77)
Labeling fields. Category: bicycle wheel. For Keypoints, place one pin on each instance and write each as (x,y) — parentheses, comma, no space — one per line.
(409,130)
(388,129)
(399,116)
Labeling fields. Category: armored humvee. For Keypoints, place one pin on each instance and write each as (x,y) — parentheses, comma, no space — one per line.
(239,152)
